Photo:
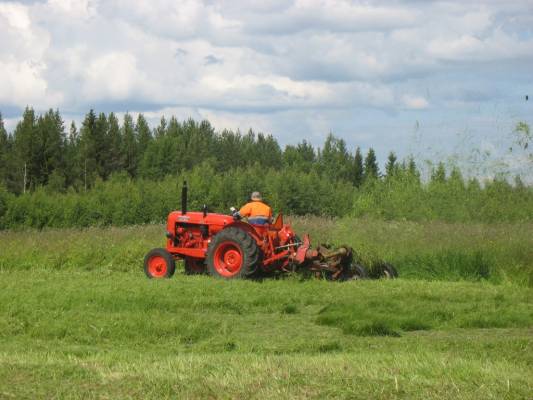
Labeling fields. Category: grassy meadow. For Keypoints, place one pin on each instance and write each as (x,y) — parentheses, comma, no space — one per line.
(78,318)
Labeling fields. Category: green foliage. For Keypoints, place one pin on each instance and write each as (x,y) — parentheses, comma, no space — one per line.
(335,160)
(496,253)
(391,168)
(371,171)
(121,200)
(73,159)
(450,199)
(302,156)
(358,172)
(5,199)
(79,172)
(438,175)
(129,146)
(115,154)
(4,152)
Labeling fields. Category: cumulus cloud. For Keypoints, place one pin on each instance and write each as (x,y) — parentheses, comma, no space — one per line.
(112,76)
(299,69)
(22,59)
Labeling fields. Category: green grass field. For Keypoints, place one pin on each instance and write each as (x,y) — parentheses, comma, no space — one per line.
(78,319)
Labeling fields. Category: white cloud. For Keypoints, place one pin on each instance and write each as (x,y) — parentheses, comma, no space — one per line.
(112,76)
(74,8)
(298,68)
(22,60)
(21,83)
(15,15)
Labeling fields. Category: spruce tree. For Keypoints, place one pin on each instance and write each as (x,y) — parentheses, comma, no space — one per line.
(50,144)
(371,165)
(412,169)
(438,174)
(391,168)
(456,179)
(74,163)
(129,145)
(456,175)
(335,159)
(88,149)
(161,130)
(144,138)
(269,154)
(115,156)
(26,168)
(358,175)
(290,156)
(306,153)
(301,157)
(3,134)
(4,151)
(101,145)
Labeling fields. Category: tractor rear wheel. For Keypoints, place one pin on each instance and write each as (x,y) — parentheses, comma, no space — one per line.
(159,264)
(194,266)
(232,253)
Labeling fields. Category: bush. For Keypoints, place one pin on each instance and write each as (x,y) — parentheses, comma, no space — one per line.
(123,201)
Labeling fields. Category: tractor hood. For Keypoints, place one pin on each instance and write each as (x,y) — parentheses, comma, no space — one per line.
(198,217)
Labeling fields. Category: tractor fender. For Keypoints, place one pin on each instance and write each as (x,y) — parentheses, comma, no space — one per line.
(247,228)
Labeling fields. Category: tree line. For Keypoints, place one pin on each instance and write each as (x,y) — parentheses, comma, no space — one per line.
(123,172)
(40,152)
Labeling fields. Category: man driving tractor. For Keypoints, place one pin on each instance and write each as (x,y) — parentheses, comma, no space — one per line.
(257,212)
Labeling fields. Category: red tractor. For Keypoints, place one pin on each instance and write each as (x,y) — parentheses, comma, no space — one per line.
(226,247)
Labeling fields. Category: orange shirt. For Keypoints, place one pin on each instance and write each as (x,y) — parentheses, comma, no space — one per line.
(255,208)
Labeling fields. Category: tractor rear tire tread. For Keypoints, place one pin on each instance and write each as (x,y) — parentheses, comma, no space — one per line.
(249,245)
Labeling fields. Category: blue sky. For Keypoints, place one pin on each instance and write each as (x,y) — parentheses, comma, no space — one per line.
(433,79)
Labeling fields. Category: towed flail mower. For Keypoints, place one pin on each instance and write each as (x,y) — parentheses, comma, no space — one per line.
(226,247)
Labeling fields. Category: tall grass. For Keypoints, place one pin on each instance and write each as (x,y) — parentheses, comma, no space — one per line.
(496,253)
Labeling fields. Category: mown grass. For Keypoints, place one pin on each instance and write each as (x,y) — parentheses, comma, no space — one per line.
(97,334)
(78,319)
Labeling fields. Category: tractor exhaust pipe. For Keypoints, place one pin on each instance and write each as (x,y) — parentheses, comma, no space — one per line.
(184,198)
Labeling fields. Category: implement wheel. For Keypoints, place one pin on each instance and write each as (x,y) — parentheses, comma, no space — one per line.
(354,272)
(232,254)
(159,264)
(386,271)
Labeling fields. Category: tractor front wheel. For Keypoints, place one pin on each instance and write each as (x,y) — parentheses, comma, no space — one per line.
(159,264)
(232,253)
